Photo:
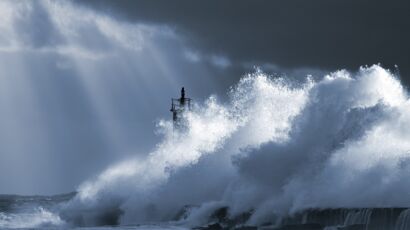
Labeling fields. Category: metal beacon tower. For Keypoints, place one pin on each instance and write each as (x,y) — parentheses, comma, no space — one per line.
(178,106)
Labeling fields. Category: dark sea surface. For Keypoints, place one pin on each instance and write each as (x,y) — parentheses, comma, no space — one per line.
(41,212)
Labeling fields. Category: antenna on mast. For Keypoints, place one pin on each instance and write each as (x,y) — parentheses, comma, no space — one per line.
(178,107)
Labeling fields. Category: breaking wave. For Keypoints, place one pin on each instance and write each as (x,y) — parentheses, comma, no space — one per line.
(37,218)
(277,147)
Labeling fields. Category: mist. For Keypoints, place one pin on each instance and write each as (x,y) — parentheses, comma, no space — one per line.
(276,148)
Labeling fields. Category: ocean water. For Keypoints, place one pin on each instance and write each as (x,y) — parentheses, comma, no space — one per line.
(31,211)
(41,212)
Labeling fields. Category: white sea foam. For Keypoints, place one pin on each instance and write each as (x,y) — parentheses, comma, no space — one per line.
(37,218)
(275,147)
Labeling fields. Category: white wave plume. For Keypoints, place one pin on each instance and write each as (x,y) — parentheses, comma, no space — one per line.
(276,147)
(37,218)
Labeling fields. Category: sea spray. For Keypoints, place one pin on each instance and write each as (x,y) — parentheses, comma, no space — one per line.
(132,185)
(37,218)
(345,148)
(135,180)
(274,148)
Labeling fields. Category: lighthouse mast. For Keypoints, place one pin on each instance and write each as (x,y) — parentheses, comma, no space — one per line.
(178,106)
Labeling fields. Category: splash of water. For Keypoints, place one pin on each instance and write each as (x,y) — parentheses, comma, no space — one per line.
(39,217)
(276,147)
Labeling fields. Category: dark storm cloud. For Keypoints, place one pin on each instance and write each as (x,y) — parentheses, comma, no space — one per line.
(325,34)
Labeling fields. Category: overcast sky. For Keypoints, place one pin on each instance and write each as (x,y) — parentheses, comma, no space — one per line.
(83,83)
(323,34)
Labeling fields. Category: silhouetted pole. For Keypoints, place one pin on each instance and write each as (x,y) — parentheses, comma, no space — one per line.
(178,106)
